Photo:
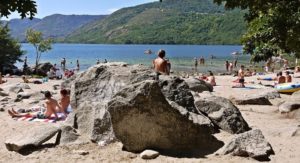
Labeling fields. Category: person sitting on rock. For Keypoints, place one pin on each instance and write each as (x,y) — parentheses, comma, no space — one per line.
(51,104)
(64,101)
(160,64)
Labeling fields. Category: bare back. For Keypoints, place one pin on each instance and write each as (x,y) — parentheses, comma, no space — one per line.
(161,66)
(51,105)
(64,103)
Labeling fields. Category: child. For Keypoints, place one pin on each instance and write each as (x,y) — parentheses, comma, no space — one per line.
(64,101)
(288,77)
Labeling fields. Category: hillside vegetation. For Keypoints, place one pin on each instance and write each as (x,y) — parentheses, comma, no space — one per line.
(169,22)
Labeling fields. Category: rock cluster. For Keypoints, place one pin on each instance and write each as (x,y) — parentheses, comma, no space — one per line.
(118,102)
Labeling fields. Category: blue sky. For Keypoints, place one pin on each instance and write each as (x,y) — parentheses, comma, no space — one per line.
(78,7)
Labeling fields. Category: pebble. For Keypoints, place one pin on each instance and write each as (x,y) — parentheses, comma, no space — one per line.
(149,154)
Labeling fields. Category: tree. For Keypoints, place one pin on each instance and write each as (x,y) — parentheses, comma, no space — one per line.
(10,50)
(23,7)
(273,27)
(41,45)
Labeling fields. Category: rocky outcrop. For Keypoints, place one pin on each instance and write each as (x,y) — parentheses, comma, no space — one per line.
(223,113)
(35,138)
(93,89)
(251,100)
(43,68)
(197,85)
(143,119)
(249,144)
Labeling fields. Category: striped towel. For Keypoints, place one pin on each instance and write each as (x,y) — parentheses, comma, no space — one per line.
(61,117)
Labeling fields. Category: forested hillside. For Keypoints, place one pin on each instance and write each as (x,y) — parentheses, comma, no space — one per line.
(169,22)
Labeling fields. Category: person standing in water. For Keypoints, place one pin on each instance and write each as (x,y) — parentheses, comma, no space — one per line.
(77,65)
(63,64)
(195,63)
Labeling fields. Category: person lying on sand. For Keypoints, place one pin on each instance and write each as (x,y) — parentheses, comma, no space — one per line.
(51,104)
(280,79)
(64,101)
(25,80)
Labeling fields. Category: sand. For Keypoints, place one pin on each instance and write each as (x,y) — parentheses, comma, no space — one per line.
(277,128)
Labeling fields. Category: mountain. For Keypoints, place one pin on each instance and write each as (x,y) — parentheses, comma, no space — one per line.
(169,22)
(56,26)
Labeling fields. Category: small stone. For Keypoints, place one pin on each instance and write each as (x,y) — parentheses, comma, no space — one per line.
(149,154)
(2,109)
(81,152)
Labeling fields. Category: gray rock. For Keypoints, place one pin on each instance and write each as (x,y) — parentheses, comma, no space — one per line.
(270,94)
(149,154)
(92,90)
(249,144)
(34,137)
(289,106)
(198,85)
(24,95)
(68,135)
(223,113)
(176,89)
(142,118)
(43,68)
(4,94)
(251,100)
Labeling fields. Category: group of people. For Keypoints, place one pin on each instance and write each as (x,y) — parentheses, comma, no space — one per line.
(52,107)
(201,61)
(230,65)
(279,79)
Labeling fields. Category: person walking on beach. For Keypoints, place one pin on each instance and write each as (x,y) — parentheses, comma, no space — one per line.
(161,65)
(63,64)
(77,65)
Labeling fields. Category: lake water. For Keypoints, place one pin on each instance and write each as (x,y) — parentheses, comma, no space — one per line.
(180,56)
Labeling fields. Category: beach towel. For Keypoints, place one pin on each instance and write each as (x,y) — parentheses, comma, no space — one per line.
(61,117)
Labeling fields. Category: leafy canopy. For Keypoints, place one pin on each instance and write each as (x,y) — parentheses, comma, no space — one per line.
(10,50)
(273,27)
(23,7)
(40,44)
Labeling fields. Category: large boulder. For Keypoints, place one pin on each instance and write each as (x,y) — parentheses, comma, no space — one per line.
(43,68)
(35,137)
(197,85)
(142,118)
(93,89)
(223,113)
(249,144)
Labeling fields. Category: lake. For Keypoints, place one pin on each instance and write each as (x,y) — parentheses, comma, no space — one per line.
(180,56)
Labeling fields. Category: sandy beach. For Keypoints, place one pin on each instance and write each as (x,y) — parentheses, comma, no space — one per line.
(282,131)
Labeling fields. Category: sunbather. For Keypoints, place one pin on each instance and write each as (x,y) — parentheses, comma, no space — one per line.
(64,101)
(51,104)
